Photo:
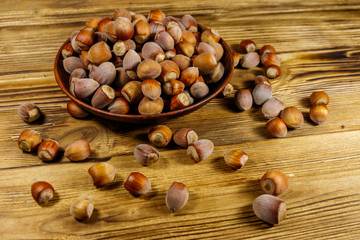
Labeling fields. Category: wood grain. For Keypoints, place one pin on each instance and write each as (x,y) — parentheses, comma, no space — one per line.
(319,45)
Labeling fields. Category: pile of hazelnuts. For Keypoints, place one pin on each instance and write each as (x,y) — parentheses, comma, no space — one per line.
(281,118)
(143,65)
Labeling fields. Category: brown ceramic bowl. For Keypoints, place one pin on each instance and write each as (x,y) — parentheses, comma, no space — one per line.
(62,78)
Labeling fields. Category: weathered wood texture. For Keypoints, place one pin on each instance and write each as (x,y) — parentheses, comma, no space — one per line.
(319,45)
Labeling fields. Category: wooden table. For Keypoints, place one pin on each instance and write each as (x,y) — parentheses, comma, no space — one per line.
(319,45)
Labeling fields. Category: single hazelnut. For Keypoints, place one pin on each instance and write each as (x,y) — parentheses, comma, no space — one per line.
(102,173)
(250,60)
(132,91)
(292,117)
(185,137)
(42,192)
(274,182)
(148,106)
(169,71)
(120,105)
(188,36)
(177,196)
(216,74)
(137,16)
(75,111)
(200,149)
(84,57)
(179,101)
(210,35)
(261,93)
(236,58)
(72,63)
(266,49)
(124,28)
(272,108)
(276,127)
(156,27)
(146,154)
(199,90)
(137,184)
(269,58)
(182,61)
(29,140)
(173,87)
(103,96)
(85,38)
(93,22)
(189,76)
(175,33)
(83,87)
(189,23)
(319,113)
(99,52)
(218,49)
(104,74)
(152,50)
(102,23)
(78,150)
(29,112)
(160,135)
(120,47)
(235,159)
(260,79)
(67,51)
(319,98)
(165,40)
(148,69)
(48,150)
(81,209)
(269,208)
(228,90)
(185,48)
(247,46)
(202,47)
(243,99)
(142,31)
(122,12)
(206,62)
(76,74)
(131,62)
(272,71)
(110,31)
(156,15)
(151,88)
(170,54)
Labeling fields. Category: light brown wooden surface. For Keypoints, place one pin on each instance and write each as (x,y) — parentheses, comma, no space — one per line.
(319,45)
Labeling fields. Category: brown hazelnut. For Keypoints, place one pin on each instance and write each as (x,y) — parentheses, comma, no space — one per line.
(152,50)
(272,108)
(247,46)
(269,208)
(151,88)
(185,48)
(292,117)
(319,113)
(200,149)
(148,69)
(102,174)
(146,154)
(120,105)
(175,33)
(85,38)
(120,47)
(165,40)
(250,60)
(81,209)
(274,182)
(75,111)
(276,127)
(177,196)
(160,135)
(199,90)
(122,12)
(319,98)
(130,63)
(210,35)
(156,15)
(99,52)
(272,71)
(219,50)
(103,96)
(148,106)
(269,58)
(72,63)
(42,192)
(78,150)
(48,150)
(235,159)
(142,31)
(189,23)
(243,99)
(189,76)
(182,61)
(206,62)
(261,93)
(29,140)
(185,137)
(169,71)
(179,101)
(29,112)
(266,49)
(173,87)
(132,91)
(137,184)
(236,58)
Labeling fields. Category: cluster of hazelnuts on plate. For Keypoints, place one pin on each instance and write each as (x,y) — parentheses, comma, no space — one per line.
(267,207)
(145,65)
(280,117)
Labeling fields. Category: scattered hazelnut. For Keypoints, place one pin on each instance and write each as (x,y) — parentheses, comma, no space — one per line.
(81,209)
(292,117)
(236,58)
(269,58)
(76,111)
(200,149)
(272,71)
(228,90)
(269,208)
(29,140)
(276,127)
(266,49)
(319,98)
(261,79)
(137,184)
(29,112)
(177,196)
(78,150)
(160,135)
(102,173)
(243,99)
(274,182)
(272,108)
(146,154)
(48,150)
(261,93)
(247,46)
(185,137)
(42,192)
(235,159)
(250,60)
(319,113)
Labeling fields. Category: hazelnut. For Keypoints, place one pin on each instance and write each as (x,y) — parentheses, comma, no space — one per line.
(247,46)
(228,89)
(243,99)
(29,112)
(319,98)
(236,58)
(202,47)
(84,57)
(189,76)
(200,149)
(188,36)
(216,74)
(272,108)
(189,23)
(218,49)
(102,23)
(42,192)
(120,48)
(72,63)
(132,91)
(121,77)
(146,154)
(177,196)
(160,135)
(175,33)
(173,87)
(269,208)
(276,127)
(266,49)
(199,90)
(120,105)
(169,71)
(151,50)
(103,96)
(29,140)
(81,209)
(122,12)
(124,28)
(75,111)
(185,137)
(67,51)
(250,60)
(210,35)
(274,182)
(319,113)
(180,101)
(206,62)
(78,150)
(102,173)
(148,106)
(182,61)
(130,63)
(156,27)
(235,159)
(165,40)
(99,52)
(156,15)
(76,74)
(292,117)
(151,88)
(185,48)
(261,93)
(170,54)
(272,71)
(269,58)
(142,31)
(137,184)
(93,22)
(48,150)
(83,87)
(260,79)
(148,69)
(104,74)
(85,38)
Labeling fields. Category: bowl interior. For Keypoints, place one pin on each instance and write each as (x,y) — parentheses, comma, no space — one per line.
(62,78)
